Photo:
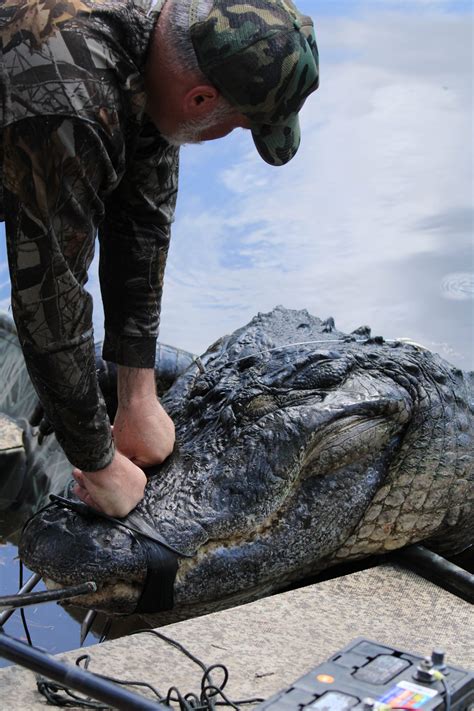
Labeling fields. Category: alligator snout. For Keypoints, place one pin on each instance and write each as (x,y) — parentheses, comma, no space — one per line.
(67,549)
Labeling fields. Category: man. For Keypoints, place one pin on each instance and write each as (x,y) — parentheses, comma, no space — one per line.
(97,96)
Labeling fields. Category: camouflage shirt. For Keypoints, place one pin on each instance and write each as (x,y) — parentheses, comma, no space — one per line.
(79,156)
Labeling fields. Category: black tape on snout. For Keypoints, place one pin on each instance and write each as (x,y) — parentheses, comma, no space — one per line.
(162,566)
(161,558)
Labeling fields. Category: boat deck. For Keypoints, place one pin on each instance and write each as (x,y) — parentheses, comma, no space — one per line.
(269,643)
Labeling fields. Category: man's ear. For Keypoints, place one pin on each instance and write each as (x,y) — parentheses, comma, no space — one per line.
(200,100)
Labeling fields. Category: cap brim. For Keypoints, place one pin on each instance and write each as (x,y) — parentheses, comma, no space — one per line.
(278,144)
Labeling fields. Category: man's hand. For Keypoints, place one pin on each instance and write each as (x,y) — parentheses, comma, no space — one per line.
(115,490)
(142,429)
(143,436)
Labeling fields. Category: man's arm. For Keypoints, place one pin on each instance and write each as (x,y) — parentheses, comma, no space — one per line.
(134,241)
(134,246)
(53,169)
(52,172)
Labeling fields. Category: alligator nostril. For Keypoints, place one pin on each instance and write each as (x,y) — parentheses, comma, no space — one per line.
(247,362)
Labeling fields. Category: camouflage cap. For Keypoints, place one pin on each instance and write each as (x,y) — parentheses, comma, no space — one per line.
(263,58)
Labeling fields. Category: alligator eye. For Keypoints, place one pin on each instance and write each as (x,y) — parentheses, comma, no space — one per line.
(322,375)
(261,405)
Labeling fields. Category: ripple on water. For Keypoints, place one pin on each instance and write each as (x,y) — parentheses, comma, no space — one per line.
(458,285)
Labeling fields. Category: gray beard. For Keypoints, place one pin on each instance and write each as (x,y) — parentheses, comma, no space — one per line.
(185,134)
(190,131)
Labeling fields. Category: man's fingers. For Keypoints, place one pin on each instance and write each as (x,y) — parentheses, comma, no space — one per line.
(82,494)
(87,499)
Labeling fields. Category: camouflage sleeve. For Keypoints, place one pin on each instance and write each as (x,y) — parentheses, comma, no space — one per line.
(134,240)
(53,168)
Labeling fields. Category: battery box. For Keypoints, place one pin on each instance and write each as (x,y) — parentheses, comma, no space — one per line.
(367,676)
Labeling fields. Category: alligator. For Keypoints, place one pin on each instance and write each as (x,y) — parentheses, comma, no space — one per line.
(298,447)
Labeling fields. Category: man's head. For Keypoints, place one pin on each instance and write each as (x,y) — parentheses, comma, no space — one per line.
(249,63)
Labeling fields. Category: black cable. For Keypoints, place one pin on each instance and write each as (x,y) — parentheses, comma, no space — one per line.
(174,643)
(206,669)
(205,701)
(25,626)
(22,611)
(36,513)
(50,689)
(87,660)
(209,690)
(182,700)
(447,701)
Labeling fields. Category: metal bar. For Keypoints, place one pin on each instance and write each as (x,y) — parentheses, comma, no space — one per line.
(438,570)
(75,678)
(86,625)
(25,599)
(31,583)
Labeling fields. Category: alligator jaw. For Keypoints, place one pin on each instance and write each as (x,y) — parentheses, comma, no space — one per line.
(110,556)
(118,597)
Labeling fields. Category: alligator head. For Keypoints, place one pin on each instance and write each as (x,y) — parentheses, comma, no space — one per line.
(298,447)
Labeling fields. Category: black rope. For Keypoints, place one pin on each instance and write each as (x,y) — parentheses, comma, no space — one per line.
(210,696)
